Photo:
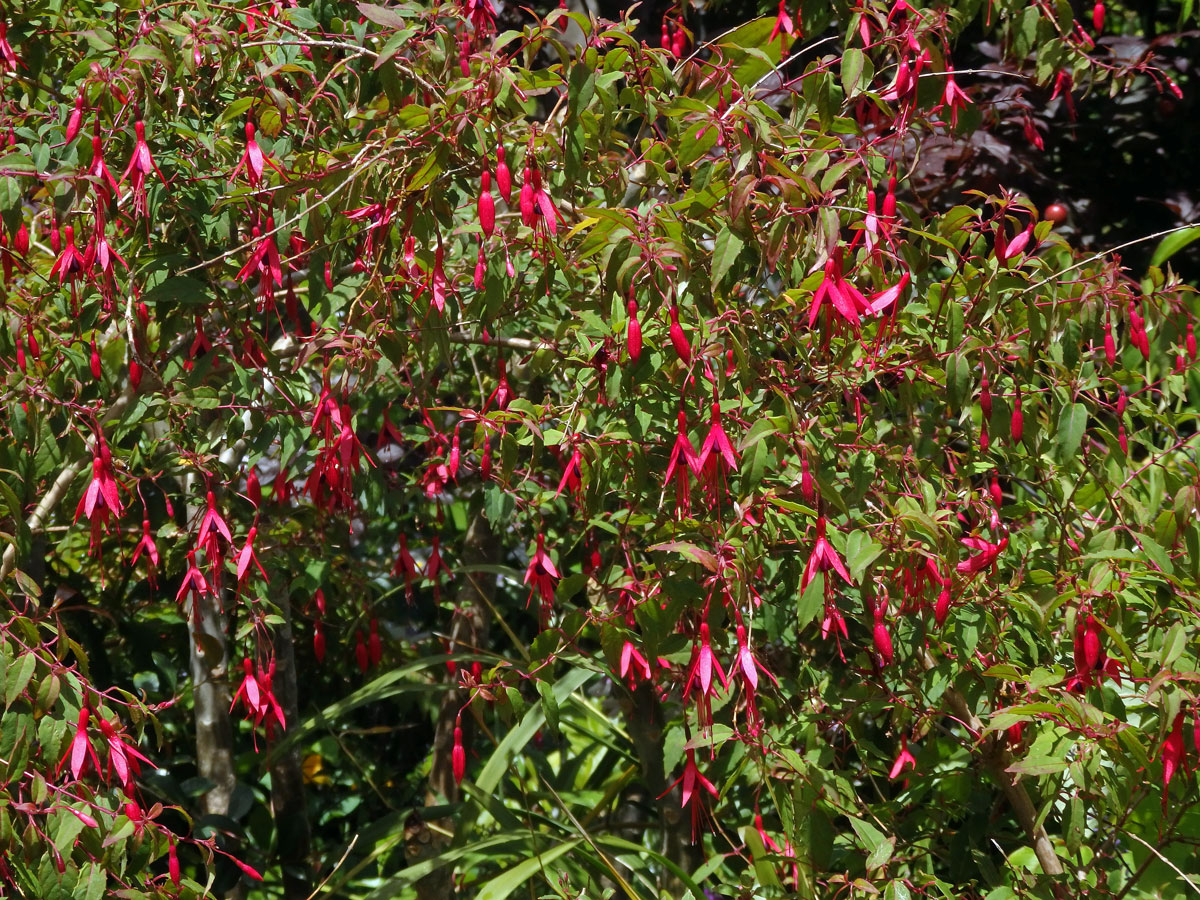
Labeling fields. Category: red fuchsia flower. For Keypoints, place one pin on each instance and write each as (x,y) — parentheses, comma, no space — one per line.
(173,863)
(458,755)
(633,336)
(1173,755)
(193,582)
(633,665)
(953,96)
(1008,251)
(748,664)
(8,59)
(683,458)
(374,645)
(81,749)
(101,499)
(881,636)
(264,262)
(704,664)
(379,218)
(124,759)
(253,160)
(406,567)
(319,641)
(141,165)
(822,559)
(247,556)
(941,609)
(212,527)
(70,265)
(1098,17)
(690,780)
(541,576)
(503,176)
(146,545)
(525,200)
(717,457)
(678,339)
(572,479)
(883,300)
(904,760)
(75,120)
(486,207)
(984,558)
(845,299)
(436,568)
(783,25)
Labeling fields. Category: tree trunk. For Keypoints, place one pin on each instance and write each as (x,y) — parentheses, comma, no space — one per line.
(474,594)
(288,804)
(209,658)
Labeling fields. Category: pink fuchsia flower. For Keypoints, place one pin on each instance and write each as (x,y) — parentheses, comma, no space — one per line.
(542,576)
(691,779)
(823,558)
(141,165)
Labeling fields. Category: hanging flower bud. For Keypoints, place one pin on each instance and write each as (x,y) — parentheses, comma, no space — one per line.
(883,640)
(480,269)
(996,492)
(374,646)
(76,118)
(1122,440)
(983,438)
(1122,399)
(678,339)
(20,354)
(94,361)
(889,199)
(458,756)
(942,608)
(360,652)
(173,863)
(21,239)
(1017,426)
(1098,18)
(487,206)
(135,373)
(985,398)
(1190,342)
(503,176)
(319,641)
(633,340)
(526,199)
(485,460)
(807,490)
(1110,345)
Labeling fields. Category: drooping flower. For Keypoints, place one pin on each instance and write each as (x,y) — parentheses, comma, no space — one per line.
(542,576)
(844,298)
(823,558)
(953,96)
(904,760)
(141,165)
(717,456)
(690,780)
(124,758)
(986,555)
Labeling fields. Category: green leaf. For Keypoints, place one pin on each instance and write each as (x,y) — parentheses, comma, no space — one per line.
(811,601)
(725,252)
(1072,422)
(18,676)
(519,736)
(861,551)
(1173,243)
(508,881)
